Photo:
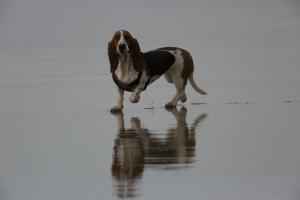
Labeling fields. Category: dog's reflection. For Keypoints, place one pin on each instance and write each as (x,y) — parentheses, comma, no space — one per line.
(137,147)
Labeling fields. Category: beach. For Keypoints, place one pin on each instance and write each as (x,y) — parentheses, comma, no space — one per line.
(58,139)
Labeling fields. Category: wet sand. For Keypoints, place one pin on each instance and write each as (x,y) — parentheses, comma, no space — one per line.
(58,139)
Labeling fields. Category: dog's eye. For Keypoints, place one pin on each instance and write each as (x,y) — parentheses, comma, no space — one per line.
(126,37)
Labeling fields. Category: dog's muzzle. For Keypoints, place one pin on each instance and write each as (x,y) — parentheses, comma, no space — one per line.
(122,48)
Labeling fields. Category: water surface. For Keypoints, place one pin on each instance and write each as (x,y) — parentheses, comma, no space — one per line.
(58,139)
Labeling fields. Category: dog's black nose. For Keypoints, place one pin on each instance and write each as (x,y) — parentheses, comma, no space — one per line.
(122,47)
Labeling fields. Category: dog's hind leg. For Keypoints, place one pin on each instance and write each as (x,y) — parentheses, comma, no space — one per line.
(168,78)
(180,94)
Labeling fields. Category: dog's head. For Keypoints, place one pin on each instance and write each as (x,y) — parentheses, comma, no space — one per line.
(123,44)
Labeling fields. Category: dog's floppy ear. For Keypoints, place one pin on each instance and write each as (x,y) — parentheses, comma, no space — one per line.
(136,55)
(113,56)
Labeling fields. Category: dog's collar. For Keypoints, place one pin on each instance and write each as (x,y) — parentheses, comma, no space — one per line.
(127,86)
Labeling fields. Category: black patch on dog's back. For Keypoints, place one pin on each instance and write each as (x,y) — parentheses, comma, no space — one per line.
(158,62)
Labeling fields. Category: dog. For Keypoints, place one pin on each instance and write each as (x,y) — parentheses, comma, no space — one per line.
(133,70)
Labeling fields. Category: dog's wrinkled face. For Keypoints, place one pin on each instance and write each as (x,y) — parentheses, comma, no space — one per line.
(123,44)
(122,41)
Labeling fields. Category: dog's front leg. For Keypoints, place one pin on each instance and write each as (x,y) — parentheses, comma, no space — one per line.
(135,96)
(120,98)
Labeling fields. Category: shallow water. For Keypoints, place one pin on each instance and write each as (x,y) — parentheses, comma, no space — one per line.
(138,148)
(58,139)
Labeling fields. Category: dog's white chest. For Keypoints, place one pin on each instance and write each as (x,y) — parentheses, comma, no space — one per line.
(125,71)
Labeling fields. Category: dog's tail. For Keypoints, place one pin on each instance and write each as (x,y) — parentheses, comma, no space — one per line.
(195,86)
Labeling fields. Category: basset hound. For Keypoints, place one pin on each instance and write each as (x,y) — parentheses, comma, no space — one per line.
(133,70)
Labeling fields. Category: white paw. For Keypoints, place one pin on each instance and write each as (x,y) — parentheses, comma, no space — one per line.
(134,98)
(183,98)
(116,109)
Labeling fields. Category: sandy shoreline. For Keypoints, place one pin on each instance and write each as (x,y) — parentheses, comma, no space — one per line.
(58,139)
